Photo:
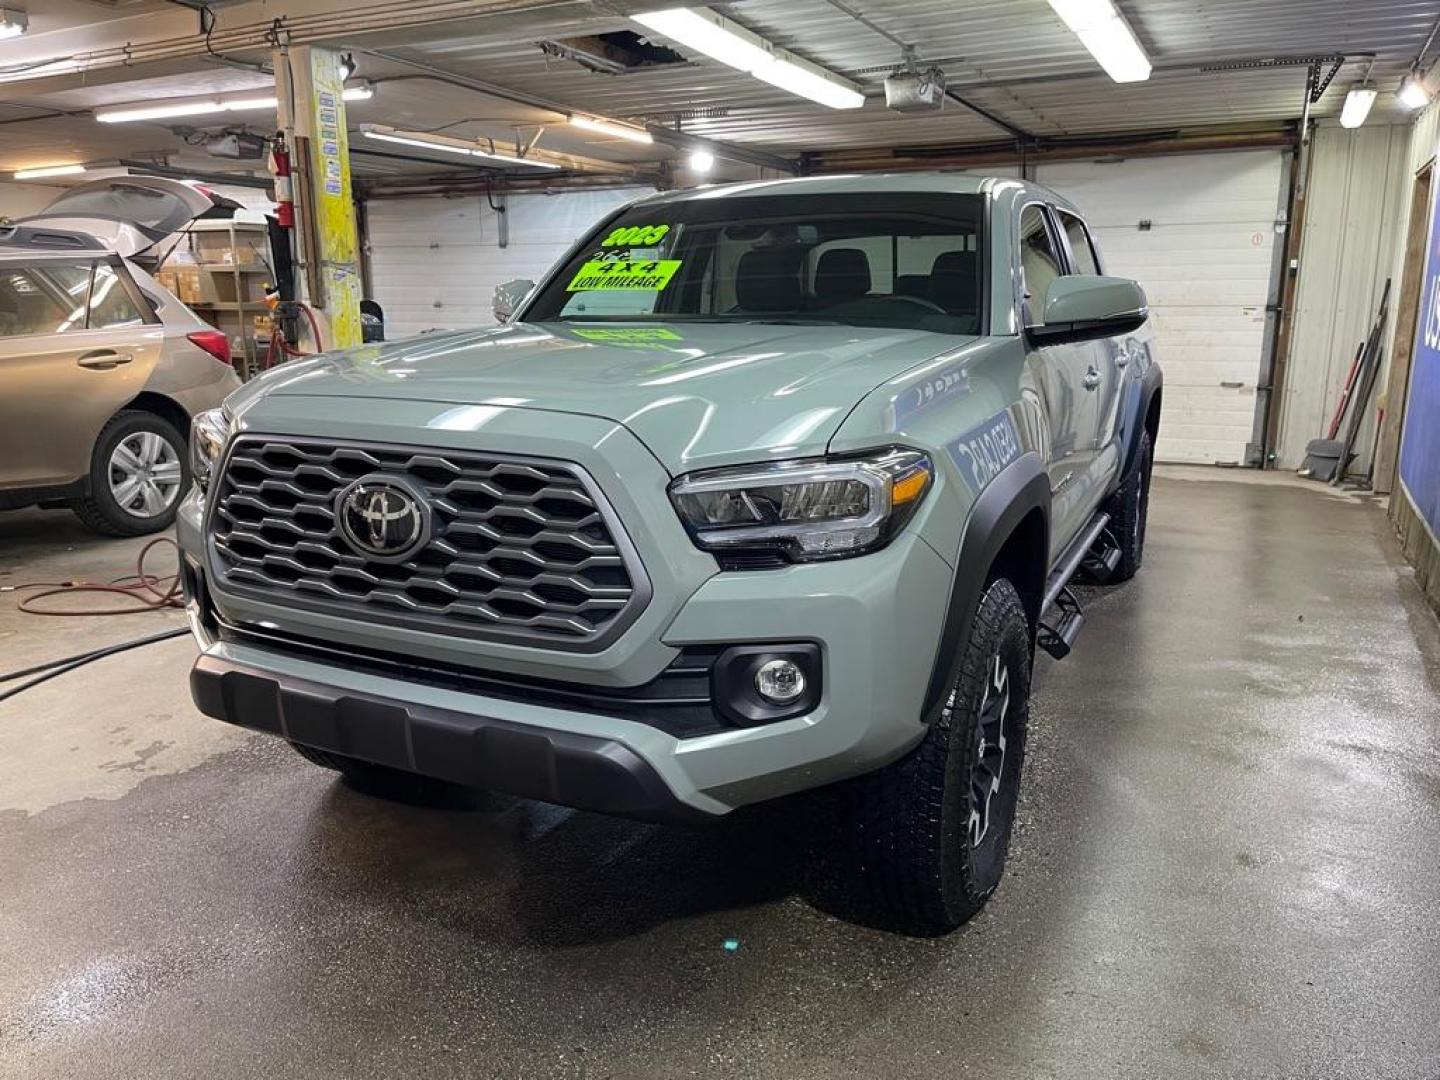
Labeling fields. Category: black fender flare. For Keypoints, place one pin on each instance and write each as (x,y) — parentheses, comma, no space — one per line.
(1138,396)
(1017,490)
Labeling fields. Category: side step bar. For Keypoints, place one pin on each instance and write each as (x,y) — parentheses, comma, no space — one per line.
(1061,617)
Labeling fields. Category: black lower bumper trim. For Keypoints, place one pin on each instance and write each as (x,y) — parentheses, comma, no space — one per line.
(582,771)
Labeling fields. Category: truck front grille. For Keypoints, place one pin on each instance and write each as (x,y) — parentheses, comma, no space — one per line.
(519,549)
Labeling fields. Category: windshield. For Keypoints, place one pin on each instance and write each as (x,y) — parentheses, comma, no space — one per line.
(904,261)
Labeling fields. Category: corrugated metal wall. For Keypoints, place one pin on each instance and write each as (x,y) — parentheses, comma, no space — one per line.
(1357,204)
(435,262)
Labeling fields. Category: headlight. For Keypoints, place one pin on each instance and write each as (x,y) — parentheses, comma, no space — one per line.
(208,432)
(805,510)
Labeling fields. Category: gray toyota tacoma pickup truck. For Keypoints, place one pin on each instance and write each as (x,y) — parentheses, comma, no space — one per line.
(765,488)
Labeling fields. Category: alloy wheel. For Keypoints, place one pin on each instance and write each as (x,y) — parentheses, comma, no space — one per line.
(145,474)
(988,772)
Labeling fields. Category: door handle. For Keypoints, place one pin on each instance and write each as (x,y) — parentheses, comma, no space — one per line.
(1091,381)
(103,359)
(1123,360)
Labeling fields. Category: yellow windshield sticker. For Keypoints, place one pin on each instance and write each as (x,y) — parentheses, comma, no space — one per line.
(635,236)
(621,274)
(648,334)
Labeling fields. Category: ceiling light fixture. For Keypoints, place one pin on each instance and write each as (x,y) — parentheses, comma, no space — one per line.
(1413,93)
(1357,106)
(166,110)
(1103,30)
(611,127)
(449,144)
(12,23)
(720,39)
(701,161)
(49,170)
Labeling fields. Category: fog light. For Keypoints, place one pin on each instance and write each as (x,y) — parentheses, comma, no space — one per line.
(780,681)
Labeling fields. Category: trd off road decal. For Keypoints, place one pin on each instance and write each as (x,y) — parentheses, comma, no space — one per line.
(986,449)
(622,274)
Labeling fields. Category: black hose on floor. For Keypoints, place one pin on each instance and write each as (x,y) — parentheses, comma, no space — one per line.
(149,592)
(53,668)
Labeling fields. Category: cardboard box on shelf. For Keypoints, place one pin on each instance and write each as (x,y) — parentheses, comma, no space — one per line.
(187,284)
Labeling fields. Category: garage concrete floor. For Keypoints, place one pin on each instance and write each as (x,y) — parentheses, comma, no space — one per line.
(1228,864)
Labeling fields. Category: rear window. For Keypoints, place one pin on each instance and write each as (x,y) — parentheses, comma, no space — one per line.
(147,208)
(905,261)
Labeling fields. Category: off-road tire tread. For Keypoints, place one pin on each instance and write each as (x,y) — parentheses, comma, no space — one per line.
(1128,507)
(897,811)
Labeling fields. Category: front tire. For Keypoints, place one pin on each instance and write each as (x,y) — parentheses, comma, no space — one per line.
(139,472)
(932,831)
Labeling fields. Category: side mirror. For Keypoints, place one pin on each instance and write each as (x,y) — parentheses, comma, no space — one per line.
(1086,307)
(508,298)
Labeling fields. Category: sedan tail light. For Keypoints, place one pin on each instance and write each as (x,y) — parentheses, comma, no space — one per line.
(214,342)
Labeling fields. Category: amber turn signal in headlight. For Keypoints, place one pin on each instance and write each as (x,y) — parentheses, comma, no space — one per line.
(806,510)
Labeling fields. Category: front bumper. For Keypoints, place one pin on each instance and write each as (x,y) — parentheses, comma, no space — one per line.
(877,635)
(585,771)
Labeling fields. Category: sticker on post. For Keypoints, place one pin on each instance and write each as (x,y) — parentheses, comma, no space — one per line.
(600,274)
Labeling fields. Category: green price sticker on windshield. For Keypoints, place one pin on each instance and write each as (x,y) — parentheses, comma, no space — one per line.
(619,274)
(636,236)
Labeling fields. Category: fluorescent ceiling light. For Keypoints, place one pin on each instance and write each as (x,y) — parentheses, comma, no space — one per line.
(707,33)
(809,84)
(702,161)
(448,144)
(717,37)
(49,170)
(1357,106)
(1413,93)
(1103,30)
(424,144)
(165,110)
(13,23)
(610,127)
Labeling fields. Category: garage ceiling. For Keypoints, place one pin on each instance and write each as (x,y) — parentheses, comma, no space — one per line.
(1013,59)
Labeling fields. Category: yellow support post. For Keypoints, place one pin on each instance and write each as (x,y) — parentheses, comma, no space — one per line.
(329,242)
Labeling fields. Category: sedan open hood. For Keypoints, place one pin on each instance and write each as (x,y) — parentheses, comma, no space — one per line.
(698,394)
(130,215)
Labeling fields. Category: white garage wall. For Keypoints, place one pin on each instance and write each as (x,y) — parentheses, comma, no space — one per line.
(1205,263)
(435,261)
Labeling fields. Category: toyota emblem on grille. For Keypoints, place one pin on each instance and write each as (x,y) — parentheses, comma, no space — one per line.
(382,518)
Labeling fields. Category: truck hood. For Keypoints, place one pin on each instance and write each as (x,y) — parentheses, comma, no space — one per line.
(697,394)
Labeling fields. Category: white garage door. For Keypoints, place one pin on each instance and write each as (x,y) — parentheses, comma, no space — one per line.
(1204,260)
(435,262)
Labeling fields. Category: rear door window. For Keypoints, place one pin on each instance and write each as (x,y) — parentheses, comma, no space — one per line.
(1082,247)
(58,297)
(36,301)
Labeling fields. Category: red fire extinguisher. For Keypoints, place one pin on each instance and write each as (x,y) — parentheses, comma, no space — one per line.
(284,192)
